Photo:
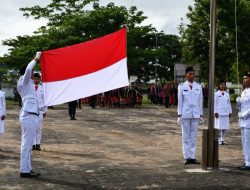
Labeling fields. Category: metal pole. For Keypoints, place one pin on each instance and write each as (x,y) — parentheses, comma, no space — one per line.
(212,53)
(156,47)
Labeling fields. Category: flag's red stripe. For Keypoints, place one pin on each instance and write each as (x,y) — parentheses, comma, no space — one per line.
(84,58)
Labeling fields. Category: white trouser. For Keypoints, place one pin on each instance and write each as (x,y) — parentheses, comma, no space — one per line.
(38,134)
(245,136)
(1,126)
(222,134)
(189,134)
(29,125)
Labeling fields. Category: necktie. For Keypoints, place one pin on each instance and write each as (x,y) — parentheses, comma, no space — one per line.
(222,93)
(36,87)
(191,87)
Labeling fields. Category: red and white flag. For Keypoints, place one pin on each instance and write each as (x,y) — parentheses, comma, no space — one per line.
(85,69)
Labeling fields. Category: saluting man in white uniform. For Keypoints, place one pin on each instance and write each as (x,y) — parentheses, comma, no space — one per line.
(2,112)
(243,103)
(29,117)
(42,113)
(222,111)
(190,113)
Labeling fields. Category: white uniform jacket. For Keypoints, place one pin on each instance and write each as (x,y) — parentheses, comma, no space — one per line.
(40,98)
(25,87)
(222,104)
(244,104)
(2,104)
(190,100)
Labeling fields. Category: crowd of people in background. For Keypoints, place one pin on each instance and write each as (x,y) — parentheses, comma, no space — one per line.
(163,94)
(166,94)
(123,97)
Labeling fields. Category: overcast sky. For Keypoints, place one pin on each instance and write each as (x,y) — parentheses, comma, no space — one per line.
(163,14)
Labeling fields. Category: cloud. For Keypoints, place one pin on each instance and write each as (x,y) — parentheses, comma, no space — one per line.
(13,23)
(163,14)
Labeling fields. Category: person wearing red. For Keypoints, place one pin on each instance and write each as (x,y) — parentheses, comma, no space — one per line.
(42,113)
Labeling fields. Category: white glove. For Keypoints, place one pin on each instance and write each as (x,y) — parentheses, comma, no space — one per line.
(201,121)
(238,100)
(42,109)
(179,121)
(240,115)
(38,54)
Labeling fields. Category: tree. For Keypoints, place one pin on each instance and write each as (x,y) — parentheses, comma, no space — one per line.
(70,23)
(195,37)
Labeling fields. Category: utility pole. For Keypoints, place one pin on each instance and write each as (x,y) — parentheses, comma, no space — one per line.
(210,136)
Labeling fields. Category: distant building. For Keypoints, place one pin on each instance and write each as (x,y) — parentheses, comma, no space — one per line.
(179,72)
(8,88)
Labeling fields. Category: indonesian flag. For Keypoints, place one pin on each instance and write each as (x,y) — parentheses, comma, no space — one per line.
(85,69)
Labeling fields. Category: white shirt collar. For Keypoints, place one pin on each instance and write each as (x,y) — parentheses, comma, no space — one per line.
(190,84)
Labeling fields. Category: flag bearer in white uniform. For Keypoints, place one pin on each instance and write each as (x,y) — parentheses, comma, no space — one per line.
(42,110)
(2,112)
(190,113)
(222,111)
(243,103)
(29,117)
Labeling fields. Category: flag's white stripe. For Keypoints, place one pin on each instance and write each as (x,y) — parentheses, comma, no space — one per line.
(112,77)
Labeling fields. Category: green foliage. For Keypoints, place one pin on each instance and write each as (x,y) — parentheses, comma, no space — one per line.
(233,97)
(195,37)
(70,22)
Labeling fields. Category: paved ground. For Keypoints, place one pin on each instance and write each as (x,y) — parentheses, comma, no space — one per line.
(116,149)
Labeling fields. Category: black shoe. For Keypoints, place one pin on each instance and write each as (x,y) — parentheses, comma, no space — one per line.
(244,167)
(38,147)
(29,175)
(74,118)
(34,147)
(222,143)
(194,161)
(187,161)
(35,172)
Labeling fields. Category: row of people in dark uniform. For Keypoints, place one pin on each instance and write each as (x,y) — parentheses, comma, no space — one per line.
(163,94)
(166,94)
(127,97)
(122,97)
